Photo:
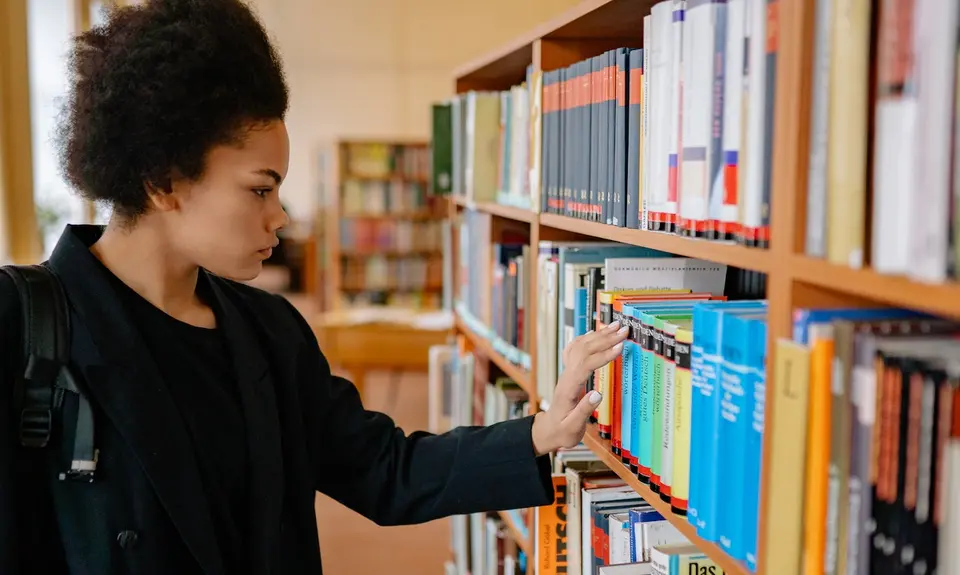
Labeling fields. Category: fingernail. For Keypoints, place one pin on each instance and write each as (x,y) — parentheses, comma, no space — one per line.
(618,347)
(623,330)
(595,397)
(613,326)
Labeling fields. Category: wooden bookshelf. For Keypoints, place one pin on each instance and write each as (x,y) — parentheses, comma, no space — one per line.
(482,346)
(793,279)
(375,169)
(499,210)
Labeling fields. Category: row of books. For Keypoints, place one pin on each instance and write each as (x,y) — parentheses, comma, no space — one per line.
(360,197)
(683,405)
(390,273)
(382,160)
(674,137)
(482,143)
(598,525)
(410,300)
(363,236)
(865,455)
(571,273)
(882,182)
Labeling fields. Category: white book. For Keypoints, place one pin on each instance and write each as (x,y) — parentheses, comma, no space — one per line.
(619,529)
(646,168)
(657,533)
(816,229)
(665,273)
(659,69)
(587,498)
(627,569)
(936,32)
(697,113)
(756,143)
(675,111)
(734,55)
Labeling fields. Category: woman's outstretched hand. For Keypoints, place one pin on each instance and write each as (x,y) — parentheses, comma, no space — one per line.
(565,422)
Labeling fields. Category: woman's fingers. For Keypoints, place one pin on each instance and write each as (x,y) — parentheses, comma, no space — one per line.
(606,338)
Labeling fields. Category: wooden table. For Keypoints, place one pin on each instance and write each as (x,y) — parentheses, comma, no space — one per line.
(373,346)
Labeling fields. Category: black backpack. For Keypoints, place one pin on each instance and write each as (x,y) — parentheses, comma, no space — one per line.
(41,389)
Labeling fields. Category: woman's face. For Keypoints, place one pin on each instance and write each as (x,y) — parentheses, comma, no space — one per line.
(227,221)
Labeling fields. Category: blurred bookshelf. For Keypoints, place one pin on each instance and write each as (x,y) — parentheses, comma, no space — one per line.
(780,237)
(384,228)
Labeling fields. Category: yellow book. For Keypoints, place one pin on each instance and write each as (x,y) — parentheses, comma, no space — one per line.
(787,430)
(682,397)
(818,449)
(847,132)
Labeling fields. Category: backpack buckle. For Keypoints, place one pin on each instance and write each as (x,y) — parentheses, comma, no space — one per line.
(36,427)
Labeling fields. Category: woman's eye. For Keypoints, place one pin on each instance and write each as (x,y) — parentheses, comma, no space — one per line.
(262,192)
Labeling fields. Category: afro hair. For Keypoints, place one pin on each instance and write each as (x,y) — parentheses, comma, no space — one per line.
(158,85)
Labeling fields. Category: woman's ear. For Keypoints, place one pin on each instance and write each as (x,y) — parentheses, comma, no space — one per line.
(160,195)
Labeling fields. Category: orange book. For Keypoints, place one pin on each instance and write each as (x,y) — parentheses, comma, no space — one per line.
(550,539)
(818,449)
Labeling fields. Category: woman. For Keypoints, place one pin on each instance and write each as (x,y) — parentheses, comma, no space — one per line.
(217,418)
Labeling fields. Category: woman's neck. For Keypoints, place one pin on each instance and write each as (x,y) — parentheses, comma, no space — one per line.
(141,258)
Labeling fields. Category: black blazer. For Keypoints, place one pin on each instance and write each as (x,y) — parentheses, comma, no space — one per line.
(146,512)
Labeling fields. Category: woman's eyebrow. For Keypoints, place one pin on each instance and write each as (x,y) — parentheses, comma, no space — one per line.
(272,173)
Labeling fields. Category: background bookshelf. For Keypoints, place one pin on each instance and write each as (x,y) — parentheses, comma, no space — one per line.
(608,124)
(385,229)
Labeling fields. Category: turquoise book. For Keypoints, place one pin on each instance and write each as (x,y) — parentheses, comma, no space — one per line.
(705,360)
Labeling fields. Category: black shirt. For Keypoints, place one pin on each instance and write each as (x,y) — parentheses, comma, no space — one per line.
(195,364)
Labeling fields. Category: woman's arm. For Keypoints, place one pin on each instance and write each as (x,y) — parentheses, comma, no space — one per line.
(363,460)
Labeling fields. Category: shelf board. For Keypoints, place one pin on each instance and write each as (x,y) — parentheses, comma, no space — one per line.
(500,68)
(602,448)
(506,65)
(515,372)
(599,19)
(935,298)
(724,253)
(515,533)
(501,210)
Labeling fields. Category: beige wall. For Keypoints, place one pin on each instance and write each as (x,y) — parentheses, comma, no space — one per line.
(371,68)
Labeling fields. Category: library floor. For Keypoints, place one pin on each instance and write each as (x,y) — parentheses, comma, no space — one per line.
(349,543)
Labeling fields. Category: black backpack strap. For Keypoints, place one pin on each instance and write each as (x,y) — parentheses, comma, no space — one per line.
(47,374)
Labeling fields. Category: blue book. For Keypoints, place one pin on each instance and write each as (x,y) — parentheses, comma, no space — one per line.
(638,393)
(639,516)
(802,318)
(631,361)
(733,427)
(704,377)
(581,324)
(757,362)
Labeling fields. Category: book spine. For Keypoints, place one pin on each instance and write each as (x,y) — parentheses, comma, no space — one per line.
(634,133)
(680,480)
(620,134)
(715,157)
(669,399)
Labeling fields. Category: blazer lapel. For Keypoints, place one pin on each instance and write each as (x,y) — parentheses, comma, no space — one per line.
(124,380)
(255,384)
